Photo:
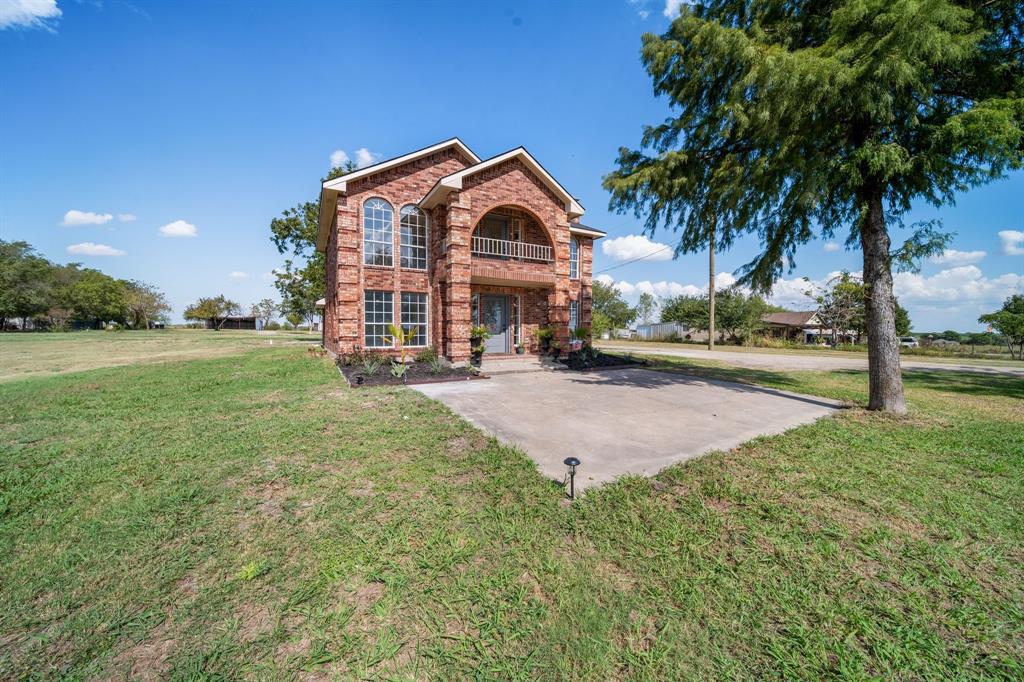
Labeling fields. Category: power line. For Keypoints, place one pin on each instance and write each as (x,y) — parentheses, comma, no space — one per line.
(634,260)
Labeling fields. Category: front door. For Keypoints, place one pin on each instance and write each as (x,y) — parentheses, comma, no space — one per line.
(494,314)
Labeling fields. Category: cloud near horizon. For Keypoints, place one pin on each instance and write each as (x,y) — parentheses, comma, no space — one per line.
(179,228)
(91,249)
(954,257)
(635,247)
(28,14)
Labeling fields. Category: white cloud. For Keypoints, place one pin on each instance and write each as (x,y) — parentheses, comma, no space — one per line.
(964,283)
(179,228)
(364,157)
(127,217)
(831,247)
(672,8)
(338,158)
(954,257)
(635,247)
(28,13)
(75,217)
(1013,242)
(90,249)
(237,274)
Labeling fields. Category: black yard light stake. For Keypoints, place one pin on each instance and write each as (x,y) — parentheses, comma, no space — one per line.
(572,463)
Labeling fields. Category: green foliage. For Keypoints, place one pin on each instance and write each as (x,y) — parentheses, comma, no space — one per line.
(212,309)
(737,314)
(610,311)
(144,304)
(302,280)
(1009,322)
(645,307)
(371,362)
(98,297)
(265,311)
(25,287)
(903,324)
(427,354)
(479,332)
(436,364)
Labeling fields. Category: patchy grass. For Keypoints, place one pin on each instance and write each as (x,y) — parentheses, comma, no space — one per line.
(255,518)
(45,354)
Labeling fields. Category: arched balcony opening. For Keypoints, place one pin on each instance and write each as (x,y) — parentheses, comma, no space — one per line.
(512,234)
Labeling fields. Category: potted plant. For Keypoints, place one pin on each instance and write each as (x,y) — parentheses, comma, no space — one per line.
(555,349)
(544,335)
(477,336)
(520,349)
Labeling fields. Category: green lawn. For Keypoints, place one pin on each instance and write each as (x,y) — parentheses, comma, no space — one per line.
(250,516)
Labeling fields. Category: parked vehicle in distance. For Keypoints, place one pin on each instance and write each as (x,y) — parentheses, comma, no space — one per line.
(908,342)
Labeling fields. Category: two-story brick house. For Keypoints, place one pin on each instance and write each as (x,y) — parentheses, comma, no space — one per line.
(440,241)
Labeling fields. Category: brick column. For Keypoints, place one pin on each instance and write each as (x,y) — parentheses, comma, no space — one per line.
(349,295)
(558,298)
(458,269)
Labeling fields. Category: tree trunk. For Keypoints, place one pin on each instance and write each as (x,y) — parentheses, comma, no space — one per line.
(711,289)
(885,380)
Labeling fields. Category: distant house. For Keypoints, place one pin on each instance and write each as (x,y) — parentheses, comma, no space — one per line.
(803,326)
(232,322)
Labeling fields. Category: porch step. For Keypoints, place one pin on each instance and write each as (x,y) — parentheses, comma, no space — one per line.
(495,366)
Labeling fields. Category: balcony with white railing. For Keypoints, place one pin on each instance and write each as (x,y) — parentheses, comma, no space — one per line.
(506,249)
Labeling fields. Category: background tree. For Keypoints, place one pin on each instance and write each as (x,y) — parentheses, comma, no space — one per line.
(25,286)
(144,304)
(902,320)
(294,319)
(737,314)
(264,311)
(1009,322)
(303,279)
(214,310)
(689,310)
(609,311)
(840,305)
(645,308)
(97,298)
(792,118)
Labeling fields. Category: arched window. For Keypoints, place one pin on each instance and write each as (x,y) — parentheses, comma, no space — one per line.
(574,258)
(412,230)
(378,233)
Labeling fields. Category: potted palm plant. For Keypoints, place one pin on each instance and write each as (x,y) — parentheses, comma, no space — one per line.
(477,336)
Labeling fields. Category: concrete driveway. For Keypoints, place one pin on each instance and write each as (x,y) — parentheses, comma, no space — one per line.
(628,421)
(807,361)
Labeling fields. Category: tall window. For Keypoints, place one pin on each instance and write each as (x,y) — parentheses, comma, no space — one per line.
(412,226)
(574,314)
(574,258)
(378,230)
(414,316)
(378,313)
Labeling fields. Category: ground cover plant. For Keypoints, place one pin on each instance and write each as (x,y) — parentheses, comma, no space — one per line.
(364,368)
(252,517)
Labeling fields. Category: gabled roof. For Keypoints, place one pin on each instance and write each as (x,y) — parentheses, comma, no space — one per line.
(792,319)
(330,189)
(439,192)
(586,230)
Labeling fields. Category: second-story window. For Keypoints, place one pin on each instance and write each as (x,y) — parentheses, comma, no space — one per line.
(413,237)
(378,233)
(574,258)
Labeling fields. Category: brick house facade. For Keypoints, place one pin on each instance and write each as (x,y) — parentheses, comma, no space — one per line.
(440,241)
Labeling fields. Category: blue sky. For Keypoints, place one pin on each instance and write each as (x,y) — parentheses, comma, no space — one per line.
(207,119)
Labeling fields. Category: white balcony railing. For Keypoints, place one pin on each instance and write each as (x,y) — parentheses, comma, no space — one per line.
(504,248)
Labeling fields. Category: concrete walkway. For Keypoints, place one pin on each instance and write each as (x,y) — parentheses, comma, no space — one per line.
(622,421)
(801,360)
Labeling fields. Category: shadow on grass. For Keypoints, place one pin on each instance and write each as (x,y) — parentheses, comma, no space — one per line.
(951,381)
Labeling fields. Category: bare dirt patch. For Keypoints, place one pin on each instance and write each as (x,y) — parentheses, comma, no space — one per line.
(150,658)
(253,622)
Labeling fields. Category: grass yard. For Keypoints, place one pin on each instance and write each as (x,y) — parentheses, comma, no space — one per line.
(249,516)
(29,355)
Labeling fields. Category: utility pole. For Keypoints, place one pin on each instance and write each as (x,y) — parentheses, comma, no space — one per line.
(711,288)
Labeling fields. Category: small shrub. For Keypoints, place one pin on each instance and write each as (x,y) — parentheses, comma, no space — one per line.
(398,369)
(371,362)
(436,365)
(427,355)
(273,327)
(253,570)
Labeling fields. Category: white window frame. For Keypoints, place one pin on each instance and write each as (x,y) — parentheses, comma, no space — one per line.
(574,315)
(574,258)
(410,210)
(425,323)
(382,303)
(375,225)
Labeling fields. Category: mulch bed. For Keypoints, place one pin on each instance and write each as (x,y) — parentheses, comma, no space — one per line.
(418,373)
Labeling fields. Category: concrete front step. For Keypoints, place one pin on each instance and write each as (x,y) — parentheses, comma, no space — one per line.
(519,365)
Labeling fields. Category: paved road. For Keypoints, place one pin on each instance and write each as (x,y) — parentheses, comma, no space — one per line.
(801,360)
(627,421)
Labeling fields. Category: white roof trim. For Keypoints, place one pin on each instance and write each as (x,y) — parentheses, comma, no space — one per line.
(580,230)
(330,189)
(454,181)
